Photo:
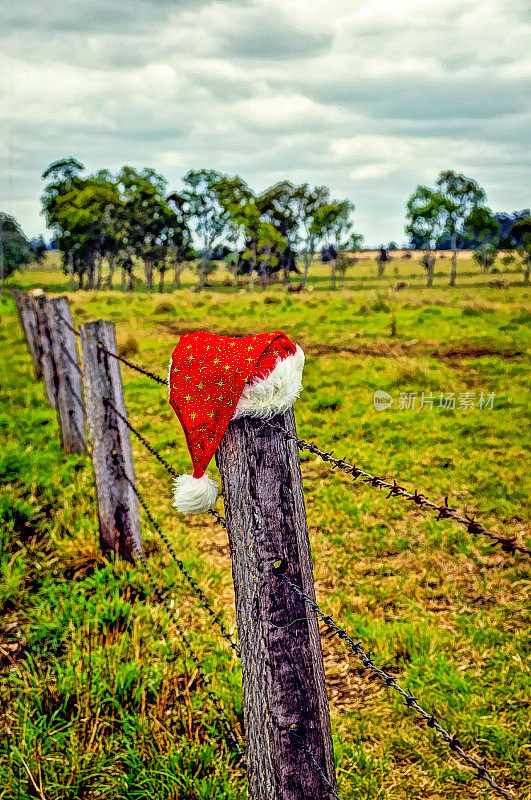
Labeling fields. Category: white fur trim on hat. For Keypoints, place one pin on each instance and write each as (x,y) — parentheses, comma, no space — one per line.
(194,494)
(274,393)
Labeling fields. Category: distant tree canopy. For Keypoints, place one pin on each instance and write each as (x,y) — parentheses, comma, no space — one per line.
(452,212)
(15,249)
(510,234)
(129,218)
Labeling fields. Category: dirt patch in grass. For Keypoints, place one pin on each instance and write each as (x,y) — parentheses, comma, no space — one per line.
(380,348)
(470,351)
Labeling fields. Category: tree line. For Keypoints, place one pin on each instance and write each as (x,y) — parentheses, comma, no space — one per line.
(130,218)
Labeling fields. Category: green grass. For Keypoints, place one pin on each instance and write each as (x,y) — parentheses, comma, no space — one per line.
(98,697)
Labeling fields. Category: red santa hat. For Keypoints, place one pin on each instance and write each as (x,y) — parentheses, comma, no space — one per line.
(214,379)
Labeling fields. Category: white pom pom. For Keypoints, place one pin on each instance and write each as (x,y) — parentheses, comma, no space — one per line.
(194,494)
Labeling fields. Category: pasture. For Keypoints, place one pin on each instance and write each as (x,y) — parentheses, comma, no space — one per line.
(98,698)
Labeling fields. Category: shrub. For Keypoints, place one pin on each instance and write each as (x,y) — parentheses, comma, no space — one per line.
(485,256)
(381,303)
(164,308)
(129,347)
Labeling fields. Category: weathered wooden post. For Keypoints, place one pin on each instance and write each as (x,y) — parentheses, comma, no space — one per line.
(49,367)
(112,457)
(70,406)
(27,315)
(285,704)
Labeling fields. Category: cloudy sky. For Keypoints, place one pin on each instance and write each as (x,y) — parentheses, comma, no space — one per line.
(370,97)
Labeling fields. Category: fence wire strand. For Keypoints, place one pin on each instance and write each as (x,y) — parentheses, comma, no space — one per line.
(313,761)
(154,452)
(508,544)
(130,364)
(444,511)
(408,698)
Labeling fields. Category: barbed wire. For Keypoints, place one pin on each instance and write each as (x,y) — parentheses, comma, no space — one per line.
(69,357)
(142,371)
(229,730)
(154,452)
(508,544)
(313,761)
(196,588)
(130,364)
(73,392)
(409,699)
(66,322)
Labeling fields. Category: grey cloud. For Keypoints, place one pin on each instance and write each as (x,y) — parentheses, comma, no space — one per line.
(249,88)
(270,39)
(90,16)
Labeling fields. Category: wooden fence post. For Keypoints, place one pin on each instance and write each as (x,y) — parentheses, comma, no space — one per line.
(27,315)
(70,405)
(285,702)
(49,367)
(112,457)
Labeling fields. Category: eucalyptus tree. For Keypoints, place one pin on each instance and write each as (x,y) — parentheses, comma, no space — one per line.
(180,250)
(145,219)
(481,225)
(243,221)
(209,217)
(425,223)
(279,205)
(307,202)
(460,197)
(63,175)
(332,224)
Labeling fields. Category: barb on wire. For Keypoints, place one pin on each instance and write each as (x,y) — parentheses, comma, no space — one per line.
(168,467)
(313,761)
(197,589)
(508,544)
(142,371)
(229,730)
(387,679)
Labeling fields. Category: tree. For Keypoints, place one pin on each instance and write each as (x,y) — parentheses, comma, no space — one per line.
(460,197)
(510,237)
(280,207)
(210,218)
(15,250)
(425,223)
(39,248)
(64,176)
(332,224)
(482,226)
(180,249)
(148,220)
(250,217)
(307,202)
(522,230)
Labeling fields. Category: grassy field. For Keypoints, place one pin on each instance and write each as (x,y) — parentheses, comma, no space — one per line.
(98,697)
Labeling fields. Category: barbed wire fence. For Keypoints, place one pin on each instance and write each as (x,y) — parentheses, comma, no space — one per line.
(281,571)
